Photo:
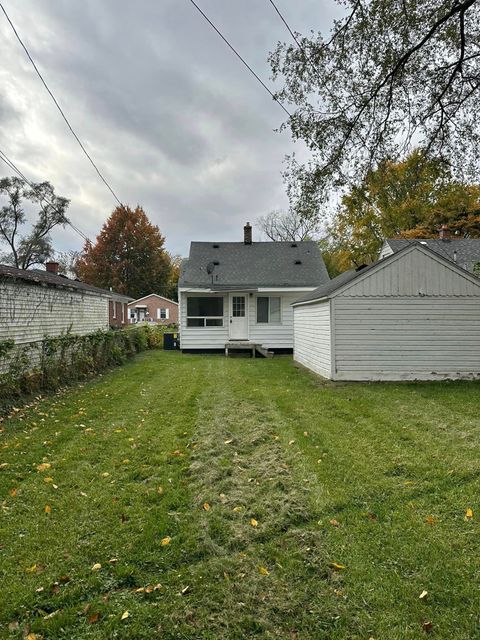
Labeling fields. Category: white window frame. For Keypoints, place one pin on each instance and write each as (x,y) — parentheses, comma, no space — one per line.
(123,313)
(114,310)
(159,313)
(269,322)
(205,318)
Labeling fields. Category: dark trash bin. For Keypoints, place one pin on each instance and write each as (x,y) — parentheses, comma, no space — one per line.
(171,341)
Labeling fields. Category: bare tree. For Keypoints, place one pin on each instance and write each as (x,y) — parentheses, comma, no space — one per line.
(288,226)
(34,247)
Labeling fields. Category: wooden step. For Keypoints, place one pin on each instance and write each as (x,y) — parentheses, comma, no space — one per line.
(265,352)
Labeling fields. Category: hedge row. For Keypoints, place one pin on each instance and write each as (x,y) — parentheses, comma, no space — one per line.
(58,361)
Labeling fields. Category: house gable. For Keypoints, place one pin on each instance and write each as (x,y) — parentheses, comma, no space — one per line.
(415,271)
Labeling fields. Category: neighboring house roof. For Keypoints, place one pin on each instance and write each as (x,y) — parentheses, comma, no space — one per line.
(463,251)
(260,264)
(156,296)
(37,276)
(331,288)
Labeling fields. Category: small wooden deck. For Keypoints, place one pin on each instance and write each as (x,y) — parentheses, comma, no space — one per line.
(247,345)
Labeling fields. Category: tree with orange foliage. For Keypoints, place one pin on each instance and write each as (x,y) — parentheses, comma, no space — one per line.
(128,255)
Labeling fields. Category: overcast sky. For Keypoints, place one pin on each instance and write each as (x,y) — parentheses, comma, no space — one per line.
(171,117)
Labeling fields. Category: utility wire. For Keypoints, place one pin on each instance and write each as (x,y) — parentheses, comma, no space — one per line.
(287,25)
(14,168)
(59,107)
(244,62)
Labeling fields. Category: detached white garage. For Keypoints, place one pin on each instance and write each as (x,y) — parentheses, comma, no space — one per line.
(411,316)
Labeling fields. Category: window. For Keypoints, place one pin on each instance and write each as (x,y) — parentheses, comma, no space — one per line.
(114,309)
(204,312)
(268,310)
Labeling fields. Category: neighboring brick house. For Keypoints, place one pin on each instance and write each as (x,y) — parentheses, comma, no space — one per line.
(118,310)
(153,308)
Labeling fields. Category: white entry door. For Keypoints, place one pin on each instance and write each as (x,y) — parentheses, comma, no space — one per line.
(238,317)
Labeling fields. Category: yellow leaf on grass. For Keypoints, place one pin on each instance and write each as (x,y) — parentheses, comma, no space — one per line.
(468,514)
(430,520)
(48,479)
(33,636)
(105,474)
(48,509)
(44,466)
(125,615)
(253,522)
(263,571)
(31,569)
(96,566)
(337,565)
(334,522)
(206,506)
(423,594)
(166,541)
(160,490)
(13,492)
(237,509)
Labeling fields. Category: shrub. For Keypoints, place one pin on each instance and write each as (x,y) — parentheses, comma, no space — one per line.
(57,361)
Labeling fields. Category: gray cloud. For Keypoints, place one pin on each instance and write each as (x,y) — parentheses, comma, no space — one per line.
(169,114)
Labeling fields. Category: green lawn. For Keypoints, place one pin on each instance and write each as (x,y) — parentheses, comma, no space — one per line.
(241,498)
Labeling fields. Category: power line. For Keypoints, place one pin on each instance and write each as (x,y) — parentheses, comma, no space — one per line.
(59,107)
(244,62)
(287,26)
(14,168)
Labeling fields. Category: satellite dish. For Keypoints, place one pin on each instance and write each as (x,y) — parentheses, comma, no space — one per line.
(210,268)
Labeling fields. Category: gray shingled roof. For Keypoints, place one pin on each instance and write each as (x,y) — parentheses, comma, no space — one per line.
(467,249)
(260,264)
(37,276)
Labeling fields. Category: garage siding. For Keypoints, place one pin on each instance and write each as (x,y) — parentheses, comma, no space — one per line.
(312,337)
(406,338)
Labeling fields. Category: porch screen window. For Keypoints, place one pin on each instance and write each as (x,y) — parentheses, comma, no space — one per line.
(204,312)
(268,310)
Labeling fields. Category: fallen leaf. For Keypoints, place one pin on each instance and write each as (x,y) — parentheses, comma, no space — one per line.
(372,516)
(177,452)
(113,560)
(291,441)
(125,615)
(165,541)
(93,618)
(48,509)
(44,466)
(160,490)
(468,514)
(430,520)
(263,571)
(427,626)
(334,522)
(13,626)
(149,588)
(423,594)
(39,590)
(48,479)
(105,474)
(337,566)
(206,506)
(228,442)
(31,569)
(96,566)
(237,509)
(33,636)
(253,522)
(185,589)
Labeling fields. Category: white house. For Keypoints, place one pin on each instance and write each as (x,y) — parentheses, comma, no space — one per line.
(414,315)
(239,294)
(36,303)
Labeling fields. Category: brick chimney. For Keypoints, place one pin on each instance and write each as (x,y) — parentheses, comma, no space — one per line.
(52,267)
(444,233)
(247,233)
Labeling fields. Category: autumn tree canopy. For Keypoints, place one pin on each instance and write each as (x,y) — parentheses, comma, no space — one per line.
(128,255)
(391,75)
(409,199)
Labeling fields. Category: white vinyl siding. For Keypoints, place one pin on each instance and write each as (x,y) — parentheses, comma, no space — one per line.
(407,338)
(312,337)
(202,337)
(28,312)
(278,335)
